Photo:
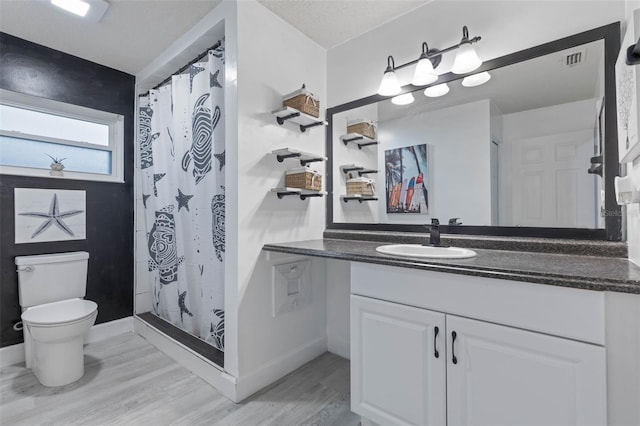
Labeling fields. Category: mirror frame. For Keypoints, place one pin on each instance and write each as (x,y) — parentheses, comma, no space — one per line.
(611,168)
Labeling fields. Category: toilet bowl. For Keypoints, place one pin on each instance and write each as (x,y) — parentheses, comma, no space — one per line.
(55,316)
(57,330)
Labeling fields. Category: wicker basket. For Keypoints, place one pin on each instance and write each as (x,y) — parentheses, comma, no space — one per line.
(303,178)
(365,128)
(304,101)
(361,186)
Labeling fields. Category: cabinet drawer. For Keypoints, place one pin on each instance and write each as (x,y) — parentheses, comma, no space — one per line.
(560,311)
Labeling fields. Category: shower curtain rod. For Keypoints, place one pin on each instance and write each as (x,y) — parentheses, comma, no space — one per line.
(184,68)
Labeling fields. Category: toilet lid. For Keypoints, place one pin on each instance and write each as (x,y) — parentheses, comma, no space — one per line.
(60,312)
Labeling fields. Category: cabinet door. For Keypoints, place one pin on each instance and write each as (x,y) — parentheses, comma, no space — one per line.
(397,374)
(507,376)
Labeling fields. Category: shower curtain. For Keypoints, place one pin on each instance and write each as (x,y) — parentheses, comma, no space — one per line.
(182,152)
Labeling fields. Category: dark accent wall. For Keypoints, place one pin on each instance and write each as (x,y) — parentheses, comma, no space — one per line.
(36,70)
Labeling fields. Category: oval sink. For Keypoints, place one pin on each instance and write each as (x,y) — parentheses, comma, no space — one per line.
(417,250)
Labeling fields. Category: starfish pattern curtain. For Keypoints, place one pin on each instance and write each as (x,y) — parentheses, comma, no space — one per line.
(181,147)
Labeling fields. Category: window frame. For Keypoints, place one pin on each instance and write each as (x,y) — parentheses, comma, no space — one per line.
(115,122)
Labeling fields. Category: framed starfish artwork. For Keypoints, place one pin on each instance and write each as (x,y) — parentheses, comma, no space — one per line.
(49,215)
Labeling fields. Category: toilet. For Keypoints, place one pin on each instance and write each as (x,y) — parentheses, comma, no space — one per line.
(55,316)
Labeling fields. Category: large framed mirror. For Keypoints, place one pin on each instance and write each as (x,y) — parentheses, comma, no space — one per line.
(530,153)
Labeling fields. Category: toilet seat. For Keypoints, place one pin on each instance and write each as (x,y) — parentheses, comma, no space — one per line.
(59,313)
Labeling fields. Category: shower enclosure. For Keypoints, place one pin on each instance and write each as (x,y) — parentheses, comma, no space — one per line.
(181,148)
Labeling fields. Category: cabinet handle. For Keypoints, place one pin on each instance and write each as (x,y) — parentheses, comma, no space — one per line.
(435,337)
(453,351)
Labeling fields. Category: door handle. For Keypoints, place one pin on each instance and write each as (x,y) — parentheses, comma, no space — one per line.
(436,330)
(453,350)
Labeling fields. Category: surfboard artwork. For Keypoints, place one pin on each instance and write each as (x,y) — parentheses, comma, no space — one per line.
(406,171)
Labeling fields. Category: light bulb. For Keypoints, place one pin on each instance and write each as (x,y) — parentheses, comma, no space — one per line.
(476,79)
(389,86)
(436,91)
(404,99)
(424,73)
(466,60)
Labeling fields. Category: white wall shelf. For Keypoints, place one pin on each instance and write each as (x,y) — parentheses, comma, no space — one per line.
(348,168)
(305,121)
(303,193)
(358,197)
(304,157)
(360,140)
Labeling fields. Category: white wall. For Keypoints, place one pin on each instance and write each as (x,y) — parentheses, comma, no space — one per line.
(356,67)
(459,181)
(569,117)
(273,59)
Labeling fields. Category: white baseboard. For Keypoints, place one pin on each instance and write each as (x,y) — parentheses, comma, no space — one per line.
(10,355)
(14,354)
(109,329)
(340,347)
(251,383)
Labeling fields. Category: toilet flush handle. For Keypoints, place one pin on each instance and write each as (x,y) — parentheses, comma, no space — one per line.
(27,268)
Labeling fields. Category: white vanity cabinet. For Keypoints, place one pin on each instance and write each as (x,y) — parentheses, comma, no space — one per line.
(507,376)
(523,354)
(397,375)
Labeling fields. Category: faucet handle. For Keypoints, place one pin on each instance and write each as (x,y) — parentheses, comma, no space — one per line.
(454,221)
(435,221)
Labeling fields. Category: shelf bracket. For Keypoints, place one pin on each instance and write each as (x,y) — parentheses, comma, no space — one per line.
(356,138)
(352,169)
(304,127)
(360,145)
(311,160)
(284,193)
(304,196)
(281,158)
(281,120)
(360,199)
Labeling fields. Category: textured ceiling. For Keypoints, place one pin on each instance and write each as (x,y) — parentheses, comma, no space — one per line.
(332,22)
(134,32)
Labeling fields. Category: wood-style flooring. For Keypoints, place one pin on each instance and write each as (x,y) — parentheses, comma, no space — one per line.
(128,381)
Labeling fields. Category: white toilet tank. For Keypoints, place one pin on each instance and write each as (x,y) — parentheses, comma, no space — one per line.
(47,278)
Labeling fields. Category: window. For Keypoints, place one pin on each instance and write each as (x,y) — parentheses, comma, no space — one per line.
(33,131)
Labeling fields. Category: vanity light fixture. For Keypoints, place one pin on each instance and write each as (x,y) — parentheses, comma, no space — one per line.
(389,86)
(404,99)
(466,61)
(424,73)
(437,90)
(92,10)
(476,79)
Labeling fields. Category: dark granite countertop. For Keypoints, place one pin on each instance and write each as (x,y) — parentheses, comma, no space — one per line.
(576,271)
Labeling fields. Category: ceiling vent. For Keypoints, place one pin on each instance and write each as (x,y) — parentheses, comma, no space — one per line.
(574,58)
